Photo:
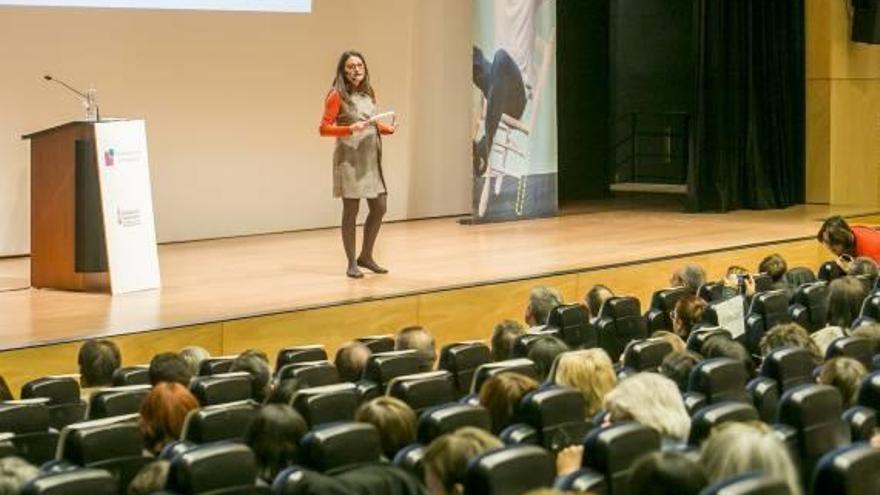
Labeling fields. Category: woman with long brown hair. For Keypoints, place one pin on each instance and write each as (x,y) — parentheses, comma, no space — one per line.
(357,160)
(163,413)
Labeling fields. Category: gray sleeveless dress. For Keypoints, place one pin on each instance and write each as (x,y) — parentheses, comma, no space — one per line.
(357,159)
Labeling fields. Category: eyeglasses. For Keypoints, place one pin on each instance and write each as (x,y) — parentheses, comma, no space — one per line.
(354,66)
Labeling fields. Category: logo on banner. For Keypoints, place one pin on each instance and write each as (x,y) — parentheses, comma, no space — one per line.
(109,157)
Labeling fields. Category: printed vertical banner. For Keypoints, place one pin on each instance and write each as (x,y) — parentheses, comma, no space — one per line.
(514,110)
(127,203)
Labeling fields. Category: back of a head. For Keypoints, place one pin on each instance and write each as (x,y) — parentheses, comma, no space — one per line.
(394,419)
(501,395)
(870,332)
(724,346)
(274,436)
(773,265)
(150,479)
(419,339)
(789,335)
(169,367)
(14,473)
(735,448)
(691,276)
(863,265)
(798,276)
(544,351)
(674,340)
(503,337)
(193,356)
(163,413)
(677,367)
(283,392)
(98,359)
(596,297)
(542,300)
(845,298)
(835,232)
(845,374)
(689,311)
(446,458)
(589,371)
(350,361)
(667,473)
(256,365)
(652,400)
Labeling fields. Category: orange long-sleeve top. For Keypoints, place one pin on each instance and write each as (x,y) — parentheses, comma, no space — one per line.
(329,127)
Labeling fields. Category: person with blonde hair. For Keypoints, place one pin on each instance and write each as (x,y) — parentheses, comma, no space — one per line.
(652,400)
(446,458)
(394,419)
(735,448)
(846,375)
(590,372)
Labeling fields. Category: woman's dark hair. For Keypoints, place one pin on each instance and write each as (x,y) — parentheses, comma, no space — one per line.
(284,391)
(773,265)
(838,233)
(863,265)
(163,413)
(274,437)
(341,84)
(798,276)
(98,359)
(544,352)
(677,367)
(596,297)
(501,395)
(689,310)
(724,346)
(845,298)
(667,473)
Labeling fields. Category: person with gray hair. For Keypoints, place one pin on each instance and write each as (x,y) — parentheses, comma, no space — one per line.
(14,473)
(652,400)
(194,355)
(419,339)
(542,300)
(691,276)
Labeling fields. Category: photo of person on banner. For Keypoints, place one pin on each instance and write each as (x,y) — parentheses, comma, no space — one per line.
(515,109)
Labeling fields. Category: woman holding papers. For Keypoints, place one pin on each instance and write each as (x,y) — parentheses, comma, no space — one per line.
(350,116)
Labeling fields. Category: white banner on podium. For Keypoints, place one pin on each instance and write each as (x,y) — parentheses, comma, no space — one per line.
(127,203)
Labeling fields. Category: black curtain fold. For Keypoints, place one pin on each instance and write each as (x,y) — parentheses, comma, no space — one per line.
(749,116)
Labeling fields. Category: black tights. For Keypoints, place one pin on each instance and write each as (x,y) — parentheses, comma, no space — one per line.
(378,207)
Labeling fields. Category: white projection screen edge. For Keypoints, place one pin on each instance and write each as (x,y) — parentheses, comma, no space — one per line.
(220,5)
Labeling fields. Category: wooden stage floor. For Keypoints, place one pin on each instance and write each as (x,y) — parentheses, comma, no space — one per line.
(228,279)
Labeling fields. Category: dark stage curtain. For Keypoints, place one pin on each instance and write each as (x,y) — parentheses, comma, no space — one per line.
(748,126)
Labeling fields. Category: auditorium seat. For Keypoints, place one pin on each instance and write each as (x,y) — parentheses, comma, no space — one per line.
(512,470)
(114,444)
(216,469)
(76,482)
(583,480)
(573,323)
(614,449)
(557,415)
(222,388)
(809,306)
(523,343)
(789,366)
(519,434)
(711,292)
(299,354)
(752,483)
(862,423)
(663,303)
(869,391)
(764,395)
(871,308)
(829,271)
(763,282)
(117,401)
(27,425)
(520,365)
(423,390)
(319,405)
(715,414)
(65,404)
(719,379)
(227,421)
(450,417)
(646,355)
(310,373)
(699,337)
(767,310)
(382,367)
(859,348)
(815,412)
(215,365)
(335,445)
(131,375)
(850,470)
(378,343)
(693,402)
(620,321)
(462,360)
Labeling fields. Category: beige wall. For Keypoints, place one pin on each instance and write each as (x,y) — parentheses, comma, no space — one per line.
(843,110)
(232,103)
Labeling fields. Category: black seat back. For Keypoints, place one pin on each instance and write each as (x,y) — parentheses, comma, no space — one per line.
(815,412)
(557,414)
(423,390)
(523,344)
(871,307)
(663,303)
(620,321)
(614,449)
(829,271)
(713,415)
(340,444)
(27,425)
(711,292)
(227,421)
(310,373)
(462,360)
(789,366)
(850,470)
(382,367)
(112,444)
(378,343)
(573,323)
(450,417)
(646,355)
(869,391)
(299,354)
(327,404)
(719,379)
(859,348)
(809,306)
(698,337)
(767,310)
(764,395)
(520,365)
(222,388)
(58,389)
(220,468)
(131,375)
(75,482)
(215,365)
(117,401)
(510,470)
(862,423)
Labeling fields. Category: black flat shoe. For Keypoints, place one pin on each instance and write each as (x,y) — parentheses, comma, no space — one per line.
(372,266)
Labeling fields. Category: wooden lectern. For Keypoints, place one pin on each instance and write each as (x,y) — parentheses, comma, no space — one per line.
(68,249)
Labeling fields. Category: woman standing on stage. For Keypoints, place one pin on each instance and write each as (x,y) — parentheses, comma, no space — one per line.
(357,159)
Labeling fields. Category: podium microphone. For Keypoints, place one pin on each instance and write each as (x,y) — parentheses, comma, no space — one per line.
(88,99)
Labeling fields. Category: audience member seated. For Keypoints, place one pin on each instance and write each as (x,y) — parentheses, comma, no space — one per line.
(846,375)
(652,400)
(446,459)
(677,367)
(169,367)
(421,340)
(14,473)
(863,266)
(591,372)
(735,448)
(543,353)
(855,241)
(675,341)
(394,419)
(542,300)
(283,391)
(798,276)
(193,356)
(596,297)
(256,364)
(735,281)
(274,436)
(503,337)
(789,335)
(150,479)
(350,361)
(724,346)
(775,266)
(845,298)
(163,413)
(501,395)
(870,332)
(691,276)
(98,359)
(688,312)
(667,473)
